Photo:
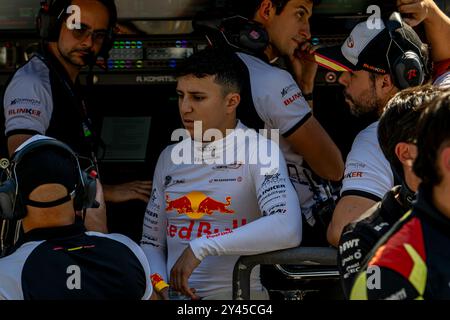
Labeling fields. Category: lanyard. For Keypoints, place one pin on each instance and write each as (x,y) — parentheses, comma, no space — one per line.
(86,122)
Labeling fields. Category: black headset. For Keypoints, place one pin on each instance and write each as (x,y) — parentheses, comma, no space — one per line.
(12,204)
(237,31)
(409,69)
(53,13)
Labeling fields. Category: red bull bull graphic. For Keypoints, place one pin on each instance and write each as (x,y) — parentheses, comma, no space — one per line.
(182,205)
(196,204)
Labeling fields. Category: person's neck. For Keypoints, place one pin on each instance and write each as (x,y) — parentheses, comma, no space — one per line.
(441,196)
(384,101)
(411,180)
(48,218)
(226,131)
(271,52)
(72,70)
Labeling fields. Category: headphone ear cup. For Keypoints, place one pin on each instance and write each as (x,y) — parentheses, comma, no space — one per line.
(10,208)
(43,24)
(408,70)
(85,196)
(90,192)
(47,21)
(253,37)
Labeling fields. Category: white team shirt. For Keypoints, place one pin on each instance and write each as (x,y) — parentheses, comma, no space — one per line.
(28,101)
(443,80)
(280,104)
(221,210)
(367,171)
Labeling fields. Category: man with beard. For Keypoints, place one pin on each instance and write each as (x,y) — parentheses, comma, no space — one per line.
(44,96)
(378,59)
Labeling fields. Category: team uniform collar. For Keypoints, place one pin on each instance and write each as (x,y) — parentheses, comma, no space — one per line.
(41,234)
(426,209)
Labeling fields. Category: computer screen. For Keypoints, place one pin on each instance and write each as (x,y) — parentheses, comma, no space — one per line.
(21,14)
(161,9)
(125,139)
(18,14)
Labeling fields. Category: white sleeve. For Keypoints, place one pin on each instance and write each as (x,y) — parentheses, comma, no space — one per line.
(10,285)
(10,289)
(282,103)
(276,96)
(153,241)
(367,172)
(11,268)
(28,104)
(280,227)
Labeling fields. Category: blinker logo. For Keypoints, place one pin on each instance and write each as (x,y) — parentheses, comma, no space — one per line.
(196,204)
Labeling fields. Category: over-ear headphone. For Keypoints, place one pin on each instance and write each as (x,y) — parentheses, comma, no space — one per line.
(53,13)
(409,69)
(237,31)
(13,204)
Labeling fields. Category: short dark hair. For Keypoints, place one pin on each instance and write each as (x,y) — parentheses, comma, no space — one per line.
(398,123)
(248,8)
(433,134)
(221,63)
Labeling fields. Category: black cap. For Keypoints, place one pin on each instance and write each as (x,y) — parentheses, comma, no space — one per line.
(46,164)
(374,46)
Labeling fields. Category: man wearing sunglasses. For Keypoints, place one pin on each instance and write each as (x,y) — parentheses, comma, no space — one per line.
(44,96)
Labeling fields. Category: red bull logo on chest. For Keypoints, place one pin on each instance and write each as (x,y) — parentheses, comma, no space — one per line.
(196,204)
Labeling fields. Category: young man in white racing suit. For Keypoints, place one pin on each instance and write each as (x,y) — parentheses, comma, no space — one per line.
(215,196)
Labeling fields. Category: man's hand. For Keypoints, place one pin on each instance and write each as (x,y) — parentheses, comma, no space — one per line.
(182,270)
(304,67)
(435,21)
(162,295)
(414,11)
(135,190)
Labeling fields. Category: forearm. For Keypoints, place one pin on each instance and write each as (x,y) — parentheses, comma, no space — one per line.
(437,27)
(96,220)
(321,153)
(348,209)
(265,234)
(307,87)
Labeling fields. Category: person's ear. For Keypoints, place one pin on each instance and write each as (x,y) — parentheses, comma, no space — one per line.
(406,153)
(386,83)
(264,12)
(444,161)
(233,100)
